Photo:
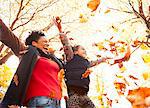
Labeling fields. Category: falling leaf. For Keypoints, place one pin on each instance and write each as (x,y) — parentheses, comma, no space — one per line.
(82,18)
(114,28)
(121,49)
(137,97)
(123,30)
(144,47)
(100,46)
(111,37)
(61,49)
(128,53)
(98,56)
(123,68)
(136,43)
(93,4)
(120,87)
(107,11)
(86,73)
(132,77)
(119,76)
(125,58)
(71,39)
(146,75)
(146,58)
(112,43)
(92,14)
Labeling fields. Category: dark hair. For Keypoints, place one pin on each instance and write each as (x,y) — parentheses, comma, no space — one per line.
(34,36)
(75,48)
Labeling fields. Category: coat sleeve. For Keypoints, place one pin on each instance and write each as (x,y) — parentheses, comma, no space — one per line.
(67,47)
(9,39)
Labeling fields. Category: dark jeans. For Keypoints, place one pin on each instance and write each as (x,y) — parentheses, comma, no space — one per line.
(43,102)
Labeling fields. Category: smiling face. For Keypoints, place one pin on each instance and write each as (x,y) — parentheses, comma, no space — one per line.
(37,39)
(41,43)
(80,51)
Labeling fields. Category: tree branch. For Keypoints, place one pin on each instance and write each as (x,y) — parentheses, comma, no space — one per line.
(36,11)
(139,15)
(129,20)
(5,58)
(1,47)
(19,11)
(121,10)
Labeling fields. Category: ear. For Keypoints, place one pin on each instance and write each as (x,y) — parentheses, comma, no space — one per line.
(34,43)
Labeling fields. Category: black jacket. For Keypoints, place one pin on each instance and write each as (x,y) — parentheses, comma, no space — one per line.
(15,94)
(74,70)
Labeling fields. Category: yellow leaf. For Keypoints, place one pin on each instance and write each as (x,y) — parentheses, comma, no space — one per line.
(146,58)
(114,28)
(121,49)
(122,69)
(100,97)
(92,14)
(146,75)
(123,30)
(107,11)
(100,45)
(83,19)
(145,47)
(93,4)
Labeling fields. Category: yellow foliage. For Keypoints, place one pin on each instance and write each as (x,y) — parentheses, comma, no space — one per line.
(5,77)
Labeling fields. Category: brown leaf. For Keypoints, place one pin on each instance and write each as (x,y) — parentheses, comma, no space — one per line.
(130,76)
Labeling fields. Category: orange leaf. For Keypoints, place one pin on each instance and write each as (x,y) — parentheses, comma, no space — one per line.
(51,50)
(107,11)
(119,85)
(125,58)
(127,55)
(146,75)
(86,74)
(93,4)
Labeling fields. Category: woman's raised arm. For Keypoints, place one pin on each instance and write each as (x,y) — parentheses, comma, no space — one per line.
(64,40)
(9,39)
